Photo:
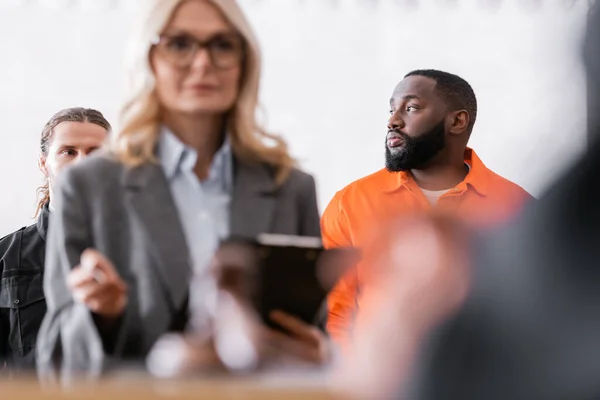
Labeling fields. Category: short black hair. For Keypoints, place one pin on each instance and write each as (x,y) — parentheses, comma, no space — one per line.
(454,90)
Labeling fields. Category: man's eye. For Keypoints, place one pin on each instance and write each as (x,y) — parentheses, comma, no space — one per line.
(69,153)
(411,108)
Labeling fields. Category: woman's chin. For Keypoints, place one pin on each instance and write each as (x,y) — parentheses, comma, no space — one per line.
(205,104)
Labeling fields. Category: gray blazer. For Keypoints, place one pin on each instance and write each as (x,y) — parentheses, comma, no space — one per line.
(129,215)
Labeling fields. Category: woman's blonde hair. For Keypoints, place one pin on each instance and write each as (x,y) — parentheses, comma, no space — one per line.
(135,141)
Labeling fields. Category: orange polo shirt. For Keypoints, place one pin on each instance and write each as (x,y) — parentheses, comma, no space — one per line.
(355,212)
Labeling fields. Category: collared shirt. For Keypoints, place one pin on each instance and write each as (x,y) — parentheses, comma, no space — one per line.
(356,212)
(433,196)
(203,206)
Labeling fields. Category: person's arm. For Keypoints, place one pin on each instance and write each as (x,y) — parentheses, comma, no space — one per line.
(96,284)
(342,300)
(69,342)
(341,307)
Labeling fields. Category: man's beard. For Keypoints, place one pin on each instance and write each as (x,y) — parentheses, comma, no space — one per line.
(416,152)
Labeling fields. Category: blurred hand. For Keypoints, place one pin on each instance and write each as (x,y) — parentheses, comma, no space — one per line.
(302,341)
(96,283)
(420,276)
(238,342)
(236,271)
(421,270)
(176,356)
(244,342)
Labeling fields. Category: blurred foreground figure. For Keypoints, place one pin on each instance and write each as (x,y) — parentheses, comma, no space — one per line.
(421,275)
(592,61)
(530,327)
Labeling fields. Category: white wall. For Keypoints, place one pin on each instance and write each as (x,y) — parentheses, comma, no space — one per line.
(330,67)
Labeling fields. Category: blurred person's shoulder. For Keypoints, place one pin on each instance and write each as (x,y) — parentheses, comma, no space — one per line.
(299,178)
(265,174)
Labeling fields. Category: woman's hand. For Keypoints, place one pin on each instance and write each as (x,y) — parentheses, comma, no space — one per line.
(303,342)
(236,278)
(96,283)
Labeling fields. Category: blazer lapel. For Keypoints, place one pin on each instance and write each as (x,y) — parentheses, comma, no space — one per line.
(253,200)
(152,203)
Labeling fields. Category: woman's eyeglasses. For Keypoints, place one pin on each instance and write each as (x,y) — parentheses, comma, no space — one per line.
(225,50)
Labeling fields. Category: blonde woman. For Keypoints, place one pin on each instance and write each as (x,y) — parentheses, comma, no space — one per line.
(189,167)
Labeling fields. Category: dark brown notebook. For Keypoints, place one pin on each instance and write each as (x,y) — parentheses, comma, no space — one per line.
(278,272)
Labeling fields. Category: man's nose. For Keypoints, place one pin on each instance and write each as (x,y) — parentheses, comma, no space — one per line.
(395,122)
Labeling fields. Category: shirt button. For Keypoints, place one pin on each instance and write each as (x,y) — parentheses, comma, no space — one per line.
(16,301)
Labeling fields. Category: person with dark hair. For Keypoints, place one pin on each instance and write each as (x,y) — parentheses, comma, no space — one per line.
(427,166)
(69,136)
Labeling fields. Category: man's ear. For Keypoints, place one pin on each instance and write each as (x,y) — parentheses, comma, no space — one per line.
(42,165)
(460,121)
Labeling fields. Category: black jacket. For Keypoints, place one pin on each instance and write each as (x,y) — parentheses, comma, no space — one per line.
(22,304)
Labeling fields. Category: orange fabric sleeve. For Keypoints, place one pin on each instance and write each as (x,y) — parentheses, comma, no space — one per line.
(341,302)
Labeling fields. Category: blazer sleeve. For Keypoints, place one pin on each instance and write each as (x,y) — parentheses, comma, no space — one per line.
(309,210)
(69,344)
